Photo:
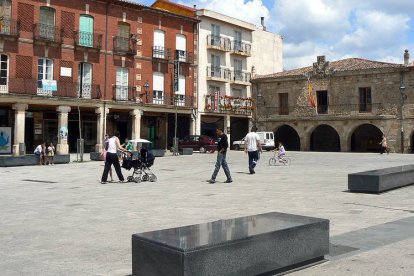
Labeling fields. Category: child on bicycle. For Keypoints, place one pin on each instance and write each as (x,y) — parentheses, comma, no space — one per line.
(281,151)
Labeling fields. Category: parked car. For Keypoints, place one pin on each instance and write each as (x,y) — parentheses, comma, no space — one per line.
(200,143)
(266,140)
(238,145)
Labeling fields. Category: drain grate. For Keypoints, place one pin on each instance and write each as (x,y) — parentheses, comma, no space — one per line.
(39,181)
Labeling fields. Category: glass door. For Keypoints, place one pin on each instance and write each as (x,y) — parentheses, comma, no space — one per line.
(85,80)
(123,37)
(4,73)
(122,84)
(47,23)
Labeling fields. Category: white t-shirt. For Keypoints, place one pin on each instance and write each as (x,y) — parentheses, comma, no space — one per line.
(112,145)
(251,141)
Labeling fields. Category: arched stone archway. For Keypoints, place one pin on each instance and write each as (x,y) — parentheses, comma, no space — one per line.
(366,138)
(288,136)
(325,138)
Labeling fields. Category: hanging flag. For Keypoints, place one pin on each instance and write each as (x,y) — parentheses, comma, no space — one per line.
(311,97)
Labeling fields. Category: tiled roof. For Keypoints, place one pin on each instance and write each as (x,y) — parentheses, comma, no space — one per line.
(349,64)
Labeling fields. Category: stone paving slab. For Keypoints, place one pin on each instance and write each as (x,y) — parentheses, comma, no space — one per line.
(59,220)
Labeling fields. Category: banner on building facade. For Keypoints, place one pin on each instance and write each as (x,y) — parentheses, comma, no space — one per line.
(5,140)
(49,85)
(176,74)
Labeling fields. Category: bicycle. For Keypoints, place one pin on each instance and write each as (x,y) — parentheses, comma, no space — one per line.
(273,161)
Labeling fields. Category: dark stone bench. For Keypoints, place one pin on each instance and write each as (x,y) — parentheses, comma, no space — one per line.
(381,180)
(251,245)
(95,156)
(185,151)
(30,160)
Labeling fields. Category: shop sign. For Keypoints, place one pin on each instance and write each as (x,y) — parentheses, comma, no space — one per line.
(65,72)
(49,85)
(5,140)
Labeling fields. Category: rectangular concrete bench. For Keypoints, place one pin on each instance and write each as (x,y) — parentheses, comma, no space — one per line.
(185,151)
(381,180)
(249,245)
(30,160)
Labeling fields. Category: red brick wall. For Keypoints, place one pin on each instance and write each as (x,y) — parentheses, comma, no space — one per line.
(67,17)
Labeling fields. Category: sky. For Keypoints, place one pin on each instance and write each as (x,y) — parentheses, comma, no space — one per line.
(372,29)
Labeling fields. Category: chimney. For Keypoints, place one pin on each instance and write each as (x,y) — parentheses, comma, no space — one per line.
(406,57)
(262,23)
(195,7)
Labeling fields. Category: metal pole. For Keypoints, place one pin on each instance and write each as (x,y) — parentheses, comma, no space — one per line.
(402,99)
(105,71)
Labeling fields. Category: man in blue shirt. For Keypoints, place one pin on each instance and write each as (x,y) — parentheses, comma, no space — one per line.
(222,147)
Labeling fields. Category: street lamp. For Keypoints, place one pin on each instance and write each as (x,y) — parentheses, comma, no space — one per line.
(146,88)
(259,99)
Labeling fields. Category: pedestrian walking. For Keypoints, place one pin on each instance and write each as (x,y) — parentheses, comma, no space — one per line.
(104,150)
(222,147)
(112,158)
(50,154)
(252,147)
(384,146)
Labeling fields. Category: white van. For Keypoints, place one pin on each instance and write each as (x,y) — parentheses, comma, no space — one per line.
(267,140)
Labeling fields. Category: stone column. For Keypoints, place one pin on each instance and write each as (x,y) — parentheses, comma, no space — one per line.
(19,126)
(62,146)
(99,127)
(136,123)
(344,144)
(192,125)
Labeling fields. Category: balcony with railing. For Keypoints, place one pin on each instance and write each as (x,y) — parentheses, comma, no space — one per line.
(340,110)
(86,41)
(216,103)
(241,77)
(158,98)
(124,46)
(241,48)
(218,74)
(218,43)
(161,53)
(184,56)
(9,29)
(63,89)
(124,93)
(47,34)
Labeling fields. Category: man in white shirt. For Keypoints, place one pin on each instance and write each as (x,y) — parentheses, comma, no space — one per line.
(252,147)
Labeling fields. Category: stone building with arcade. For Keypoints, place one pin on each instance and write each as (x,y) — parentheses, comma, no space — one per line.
(345,105)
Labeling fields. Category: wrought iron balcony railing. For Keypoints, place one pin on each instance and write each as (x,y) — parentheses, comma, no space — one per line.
(228,104)
(240,76)
(9,28)
(218,42)
(124,46)
(158,98)
(159,52)
(88,40)
(374,109)
(124,93)
(218,73)
(184,56)
(64,89)
(47,33)
(241,48)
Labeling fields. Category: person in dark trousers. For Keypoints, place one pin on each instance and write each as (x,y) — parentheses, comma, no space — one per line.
(112,158)
(252,147)
(222,147)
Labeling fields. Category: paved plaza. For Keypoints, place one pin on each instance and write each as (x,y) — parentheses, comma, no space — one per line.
(59,220)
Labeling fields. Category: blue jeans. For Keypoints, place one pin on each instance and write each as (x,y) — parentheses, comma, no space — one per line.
(253,158)
(221,161)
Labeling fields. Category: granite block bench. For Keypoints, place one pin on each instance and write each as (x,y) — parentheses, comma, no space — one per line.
(30,160)
(381,180)
(252,245)
(185,151)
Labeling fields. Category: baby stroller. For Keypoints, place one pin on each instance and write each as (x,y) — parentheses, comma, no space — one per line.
(140,165)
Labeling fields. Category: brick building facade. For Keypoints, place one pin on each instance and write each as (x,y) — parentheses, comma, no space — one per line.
(356,102)
(109,63)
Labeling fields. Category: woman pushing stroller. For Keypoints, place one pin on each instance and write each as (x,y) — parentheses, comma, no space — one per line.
(112,158)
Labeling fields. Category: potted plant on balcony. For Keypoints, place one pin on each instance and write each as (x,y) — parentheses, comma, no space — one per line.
(208,107)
